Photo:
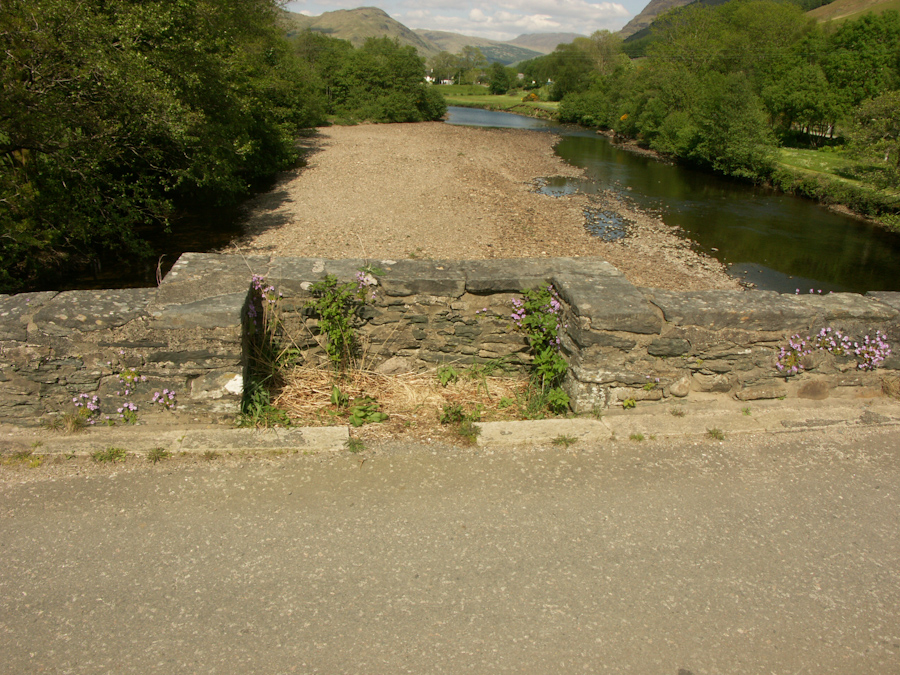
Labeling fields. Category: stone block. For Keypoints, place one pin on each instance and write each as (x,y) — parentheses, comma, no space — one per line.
(15,311)
(680,387)
(222,311)
(721,384)
(762,392)
(199,276)
(74,312)
(609,303)
(508,275)
(221,390)
(668,347)
(816,390)
(747,310)
(423,277)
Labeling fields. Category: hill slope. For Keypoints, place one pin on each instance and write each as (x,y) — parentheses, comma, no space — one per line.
(544,42)
(355,25)
(851,9)
(504,52)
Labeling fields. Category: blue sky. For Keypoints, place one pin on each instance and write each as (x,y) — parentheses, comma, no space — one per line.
(497,20)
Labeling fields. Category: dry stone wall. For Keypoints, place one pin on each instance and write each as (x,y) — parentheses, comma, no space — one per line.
(622,343)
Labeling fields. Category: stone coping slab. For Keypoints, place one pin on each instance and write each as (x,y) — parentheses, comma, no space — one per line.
(86,311)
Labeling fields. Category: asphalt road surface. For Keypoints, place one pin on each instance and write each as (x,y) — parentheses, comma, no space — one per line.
(758,554)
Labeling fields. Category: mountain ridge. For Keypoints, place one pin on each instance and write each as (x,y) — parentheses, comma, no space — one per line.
(355,25)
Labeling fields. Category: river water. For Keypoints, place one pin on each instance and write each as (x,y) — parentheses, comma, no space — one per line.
(775,241)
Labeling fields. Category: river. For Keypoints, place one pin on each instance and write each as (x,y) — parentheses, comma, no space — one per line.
(772,240)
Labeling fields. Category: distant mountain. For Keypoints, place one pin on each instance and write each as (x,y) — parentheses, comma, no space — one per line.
(504,52)
(647,16)
(355,25)
(544,42)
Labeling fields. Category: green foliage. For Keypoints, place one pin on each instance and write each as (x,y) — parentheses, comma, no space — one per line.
(257,410)
(716,434)
(565,441)
(384,82)
(446,375)
(157,455)
(355,445)
(114,113)
(722,83)
(539,316)
(365,411)
(500,79)
(628,404)
(453,413)
(338,398)
(875,138)
(109,455)
(336,305)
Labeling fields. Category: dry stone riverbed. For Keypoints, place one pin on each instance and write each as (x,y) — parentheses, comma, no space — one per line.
(432,190)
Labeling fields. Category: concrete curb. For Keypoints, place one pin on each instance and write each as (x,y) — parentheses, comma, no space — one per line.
(698,419)
(681,419)
(143,439)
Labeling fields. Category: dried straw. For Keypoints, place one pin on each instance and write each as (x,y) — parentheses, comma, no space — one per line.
(412,400)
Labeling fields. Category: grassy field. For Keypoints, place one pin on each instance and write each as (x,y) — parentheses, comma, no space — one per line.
(835,164)
(477,96)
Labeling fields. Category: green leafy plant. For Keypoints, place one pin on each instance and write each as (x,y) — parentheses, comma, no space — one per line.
(468,431)
(156,455)
(338,398)
(564,441)
(336,305)
(453,413)
(355,445)
(746,411)
(637,437)
(715,433)
(446,375)
(365,411)
(629,403)
(257,410)
(505,402)
(109,455)
(539,315)
(270,355)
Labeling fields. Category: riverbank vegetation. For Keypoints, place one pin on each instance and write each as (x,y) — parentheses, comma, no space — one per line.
(479,96)
(115,115)
(725,87)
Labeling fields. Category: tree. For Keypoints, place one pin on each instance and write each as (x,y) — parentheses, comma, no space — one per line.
(444,66)
(500,79)
(114,112)
(875,137)
(385,82)
(470,61)
(861,58)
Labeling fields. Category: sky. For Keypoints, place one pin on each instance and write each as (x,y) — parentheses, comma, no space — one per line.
(495,20)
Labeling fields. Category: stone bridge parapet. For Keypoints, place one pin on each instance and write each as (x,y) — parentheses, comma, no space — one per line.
(621,342)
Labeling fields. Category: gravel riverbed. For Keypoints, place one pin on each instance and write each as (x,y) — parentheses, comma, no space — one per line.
(436,191)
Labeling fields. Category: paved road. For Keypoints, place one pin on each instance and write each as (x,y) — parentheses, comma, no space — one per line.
(759,554)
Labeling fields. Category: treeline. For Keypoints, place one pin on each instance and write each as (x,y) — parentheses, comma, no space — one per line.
(116,114)
(723,86)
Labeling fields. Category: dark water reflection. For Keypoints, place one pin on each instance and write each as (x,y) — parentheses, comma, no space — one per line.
(778,242)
